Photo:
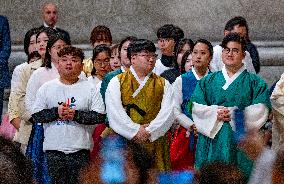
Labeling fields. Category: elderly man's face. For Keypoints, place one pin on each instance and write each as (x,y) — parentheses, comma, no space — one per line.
(49,14)
(69,66)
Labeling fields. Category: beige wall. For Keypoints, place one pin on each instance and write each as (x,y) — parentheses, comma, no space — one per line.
(143,17)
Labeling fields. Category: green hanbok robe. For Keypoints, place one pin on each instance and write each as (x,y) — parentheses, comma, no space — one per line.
(216,141)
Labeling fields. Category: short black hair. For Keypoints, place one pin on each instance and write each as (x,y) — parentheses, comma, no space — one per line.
(140,45)
(73,51)
(170,31)
(234,37)
(206,42)
(241,21)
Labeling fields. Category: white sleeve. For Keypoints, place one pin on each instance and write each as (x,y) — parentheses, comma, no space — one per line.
(32,87)
(255,116)
(205,119)
(119,121)
(183,120)
(165,118)
(40,101)
(277,96)
(248,63)
(97,103)
(16,77)
(216,63)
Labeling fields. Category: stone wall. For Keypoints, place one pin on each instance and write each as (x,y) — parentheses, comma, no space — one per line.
(142,18)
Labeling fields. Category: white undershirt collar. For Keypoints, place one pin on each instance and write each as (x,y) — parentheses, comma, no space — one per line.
(195,74)
(122,69)
(45,25)
(230,80)
(141,82)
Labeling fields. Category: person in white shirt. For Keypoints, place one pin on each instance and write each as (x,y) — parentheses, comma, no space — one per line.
(48,71)
(101,63)
(68,107)
(139,103)
(235,25)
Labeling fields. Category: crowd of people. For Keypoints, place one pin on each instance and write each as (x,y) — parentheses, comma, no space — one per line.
(196,114)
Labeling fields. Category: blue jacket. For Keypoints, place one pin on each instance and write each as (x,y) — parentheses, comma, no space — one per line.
(5,51)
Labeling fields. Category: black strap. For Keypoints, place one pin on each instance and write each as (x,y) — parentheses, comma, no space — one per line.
(134,106)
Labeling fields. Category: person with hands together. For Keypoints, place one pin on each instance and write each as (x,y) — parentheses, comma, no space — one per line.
(184,142)
(139,103)
(217,99)
(68,116)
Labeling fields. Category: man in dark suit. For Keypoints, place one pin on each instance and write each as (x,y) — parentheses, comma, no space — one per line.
(50,16)
(5,51)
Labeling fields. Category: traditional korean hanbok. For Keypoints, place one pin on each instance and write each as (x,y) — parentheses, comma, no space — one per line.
(216,142)
(131,102)
(183,146)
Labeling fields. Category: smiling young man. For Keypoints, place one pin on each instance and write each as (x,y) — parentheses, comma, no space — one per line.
(139,103)
(67,114)
(216,97)
(251,59)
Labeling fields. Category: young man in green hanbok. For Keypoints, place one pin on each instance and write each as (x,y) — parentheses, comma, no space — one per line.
(217,96)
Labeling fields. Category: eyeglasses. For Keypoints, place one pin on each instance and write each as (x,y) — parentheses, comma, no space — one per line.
(148,56)
(235,51)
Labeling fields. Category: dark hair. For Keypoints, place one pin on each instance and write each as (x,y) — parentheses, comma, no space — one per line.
(128,150)
(98,49)
(140,45)
(27,39)
(33,55)
(114,47)
(182,42)
(183,61)
(49,31)
(128,38)
(170,31)
(15,168)
(206,42)
(241,21)
(142,159)
(73,51)
(219,173)
(234,37)
(52,39)
(103,31)
(179,46)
